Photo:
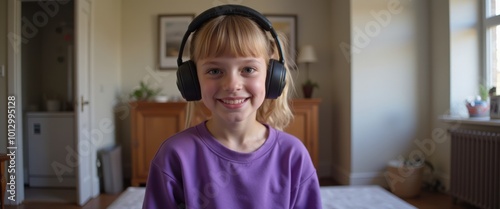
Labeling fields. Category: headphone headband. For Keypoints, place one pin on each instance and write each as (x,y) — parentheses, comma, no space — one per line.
(229,9)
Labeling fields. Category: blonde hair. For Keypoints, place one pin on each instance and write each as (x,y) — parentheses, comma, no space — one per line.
(242,37)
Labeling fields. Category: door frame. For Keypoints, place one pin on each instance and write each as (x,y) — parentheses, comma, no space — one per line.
(14,87)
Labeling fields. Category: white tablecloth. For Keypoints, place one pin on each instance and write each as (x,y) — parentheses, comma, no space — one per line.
(333,197)
(360,197)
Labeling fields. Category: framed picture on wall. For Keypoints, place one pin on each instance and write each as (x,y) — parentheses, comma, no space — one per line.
(286,24)
(171,29)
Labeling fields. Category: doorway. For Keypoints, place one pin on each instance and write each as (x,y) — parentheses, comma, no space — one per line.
(82,158)
(48,107)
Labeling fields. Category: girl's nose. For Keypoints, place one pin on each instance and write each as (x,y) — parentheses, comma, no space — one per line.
(232,82)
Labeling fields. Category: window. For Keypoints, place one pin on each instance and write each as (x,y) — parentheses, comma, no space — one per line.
(492,26)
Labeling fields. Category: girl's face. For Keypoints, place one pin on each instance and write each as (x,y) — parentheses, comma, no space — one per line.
(233,88)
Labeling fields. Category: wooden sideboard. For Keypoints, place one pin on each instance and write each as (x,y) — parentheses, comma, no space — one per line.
(3,159)
(153,122)
(305,125)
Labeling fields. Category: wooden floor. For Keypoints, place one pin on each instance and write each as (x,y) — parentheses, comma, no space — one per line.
(427,200)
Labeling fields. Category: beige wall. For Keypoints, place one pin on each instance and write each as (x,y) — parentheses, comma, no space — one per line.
(139,50)
(105,70)
(341,91)
(389,84)
(440,65)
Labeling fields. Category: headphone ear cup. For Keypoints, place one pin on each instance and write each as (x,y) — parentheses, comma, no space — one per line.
(275,80)
(187,81)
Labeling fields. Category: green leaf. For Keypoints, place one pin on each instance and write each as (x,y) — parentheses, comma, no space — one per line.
(144,92)
(483,92)
(311,83)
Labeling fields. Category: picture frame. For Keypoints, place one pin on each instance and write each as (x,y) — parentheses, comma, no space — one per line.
(171,30)
(286,24)
(495,107)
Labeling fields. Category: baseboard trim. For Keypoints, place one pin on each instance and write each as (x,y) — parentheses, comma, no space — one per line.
(368,178)
(340,175)
(360,178)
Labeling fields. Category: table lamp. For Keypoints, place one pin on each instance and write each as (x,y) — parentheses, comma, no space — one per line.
(307,56)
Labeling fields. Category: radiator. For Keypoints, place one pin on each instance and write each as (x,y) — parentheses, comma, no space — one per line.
(475,167)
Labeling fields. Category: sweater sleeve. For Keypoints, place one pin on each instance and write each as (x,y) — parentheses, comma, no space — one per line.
(162,191)
(308,194)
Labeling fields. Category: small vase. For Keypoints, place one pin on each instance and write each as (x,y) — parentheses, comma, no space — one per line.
(308,91)
(478,109)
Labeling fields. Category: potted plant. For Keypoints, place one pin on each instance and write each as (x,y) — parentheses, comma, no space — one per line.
(479,107)
(405,176)
(308,88)
(144,92)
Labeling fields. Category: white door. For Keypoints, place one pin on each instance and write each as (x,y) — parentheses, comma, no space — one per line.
(82,108)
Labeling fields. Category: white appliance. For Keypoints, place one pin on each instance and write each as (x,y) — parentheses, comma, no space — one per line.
(51,149)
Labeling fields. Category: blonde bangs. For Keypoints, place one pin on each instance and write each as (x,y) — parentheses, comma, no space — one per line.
(234,35)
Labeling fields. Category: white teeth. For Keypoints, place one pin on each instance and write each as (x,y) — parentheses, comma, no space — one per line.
(237,101)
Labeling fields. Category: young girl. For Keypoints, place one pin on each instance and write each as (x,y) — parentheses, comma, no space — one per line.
(238,158)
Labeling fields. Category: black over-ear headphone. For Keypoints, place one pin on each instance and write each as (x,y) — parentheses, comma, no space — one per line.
(187,78)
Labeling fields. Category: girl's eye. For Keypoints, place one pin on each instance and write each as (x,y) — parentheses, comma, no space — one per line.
(248,70)
(214,72)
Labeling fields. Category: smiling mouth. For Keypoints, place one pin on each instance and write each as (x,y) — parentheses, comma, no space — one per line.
(232,101)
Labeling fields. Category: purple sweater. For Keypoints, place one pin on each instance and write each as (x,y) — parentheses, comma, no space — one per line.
(192,170)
